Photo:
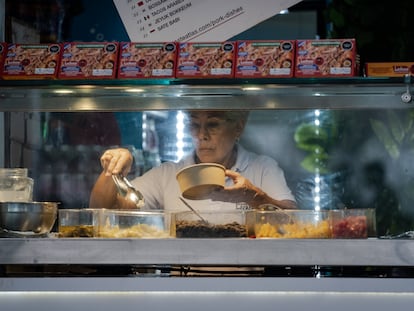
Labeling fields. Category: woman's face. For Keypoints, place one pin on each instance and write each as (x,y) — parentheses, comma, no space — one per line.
(214,136)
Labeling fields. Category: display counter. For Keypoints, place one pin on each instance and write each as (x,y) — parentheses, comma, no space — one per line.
(373,273)
(209,252)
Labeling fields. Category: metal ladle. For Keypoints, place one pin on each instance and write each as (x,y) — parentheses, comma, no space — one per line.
(287,219)
(194,211)
(126,190)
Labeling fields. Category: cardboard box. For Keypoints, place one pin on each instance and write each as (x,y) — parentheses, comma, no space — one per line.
(88,60)
(3,51)
(147,60)
(206,60)
(391,69)
(326,58)
(31,61)
(265,59)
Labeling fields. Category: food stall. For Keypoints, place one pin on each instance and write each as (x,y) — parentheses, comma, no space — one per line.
(344,143)
(371,271)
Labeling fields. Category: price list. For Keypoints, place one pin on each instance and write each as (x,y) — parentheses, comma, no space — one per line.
(152,16)
(193,20)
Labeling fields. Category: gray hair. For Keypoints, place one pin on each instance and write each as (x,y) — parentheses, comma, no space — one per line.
(232,115)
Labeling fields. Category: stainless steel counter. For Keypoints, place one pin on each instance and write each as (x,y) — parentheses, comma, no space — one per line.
(184,293)
(352,252)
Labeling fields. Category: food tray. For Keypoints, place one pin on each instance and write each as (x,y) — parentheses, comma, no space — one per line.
(219,224)
(133,224)
(299,224)
(77,223)
(353,223)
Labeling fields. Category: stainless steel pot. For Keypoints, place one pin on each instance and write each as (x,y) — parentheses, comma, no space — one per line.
(27,218)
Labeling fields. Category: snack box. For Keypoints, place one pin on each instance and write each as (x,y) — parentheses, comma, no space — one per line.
(265,59)
(391,69)
(88,60)
(326,58)
(31,61)
(3,51)
(206,60)
(147,60)
(289,224)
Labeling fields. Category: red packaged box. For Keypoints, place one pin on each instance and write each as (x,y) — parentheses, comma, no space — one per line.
(389,69)
(147,60)
(206,60)
(88,60)
(31,61)
(326,58)
(3,51)
(265,59)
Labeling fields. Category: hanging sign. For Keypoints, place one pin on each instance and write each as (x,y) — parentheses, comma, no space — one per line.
(194,20)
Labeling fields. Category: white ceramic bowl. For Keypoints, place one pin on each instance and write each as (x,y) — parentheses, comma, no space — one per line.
(199,180)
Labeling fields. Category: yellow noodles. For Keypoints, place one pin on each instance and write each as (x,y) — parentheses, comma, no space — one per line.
(295,230)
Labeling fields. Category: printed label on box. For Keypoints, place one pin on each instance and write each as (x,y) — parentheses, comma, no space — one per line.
(389,69)
(31,61)
(3,51)
(265,59)
(147,60)
(88,60)
(206,60)
(328,58)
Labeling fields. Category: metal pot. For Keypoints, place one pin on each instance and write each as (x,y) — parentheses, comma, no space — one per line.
(27,218)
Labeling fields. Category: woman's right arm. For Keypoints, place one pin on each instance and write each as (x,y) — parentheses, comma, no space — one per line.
(104,193)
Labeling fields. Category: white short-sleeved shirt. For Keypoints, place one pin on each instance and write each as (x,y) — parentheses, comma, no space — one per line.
(160,188)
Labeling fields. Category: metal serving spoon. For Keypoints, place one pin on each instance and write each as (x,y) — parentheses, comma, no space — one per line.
(128,191)
(194,211)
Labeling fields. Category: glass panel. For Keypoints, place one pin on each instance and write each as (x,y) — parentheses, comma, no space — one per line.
(331,158)
(138,95)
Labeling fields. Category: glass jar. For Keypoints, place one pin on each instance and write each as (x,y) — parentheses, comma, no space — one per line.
(15,185)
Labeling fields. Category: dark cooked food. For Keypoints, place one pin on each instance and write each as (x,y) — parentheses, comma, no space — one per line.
(83,231)
(199,229)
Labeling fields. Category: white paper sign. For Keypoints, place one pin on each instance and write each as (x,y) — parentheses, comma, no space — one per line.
(194,20)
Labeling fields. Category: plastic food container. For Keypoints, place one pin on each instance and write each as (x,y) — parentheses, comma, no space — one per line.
(353,223)
(199,180)
(289,224)
(231,224)
(77,223)
(134,224)
(15,185)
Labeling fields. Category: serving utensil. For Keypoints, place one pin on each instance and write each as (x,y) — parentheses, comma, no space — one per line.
(194,211)
(272,207)
(126,190)
(286,217)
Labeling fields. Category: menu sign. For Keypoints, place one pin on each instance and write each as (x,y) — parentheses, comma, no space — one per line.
(194,20)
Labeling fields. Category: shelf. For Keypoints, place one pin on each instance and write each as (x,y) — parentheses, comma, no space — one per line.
(139,95)
(231,252)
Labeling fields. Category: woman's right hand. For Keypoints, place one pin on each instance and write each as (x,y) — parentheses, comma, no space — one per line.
(116,161)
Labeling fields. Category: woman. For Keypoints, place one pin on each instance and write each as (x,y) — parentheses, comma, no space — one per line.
(251,178)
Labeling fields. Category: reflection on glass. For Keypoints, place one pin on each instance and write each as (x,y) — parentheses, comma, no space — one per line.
(332,159)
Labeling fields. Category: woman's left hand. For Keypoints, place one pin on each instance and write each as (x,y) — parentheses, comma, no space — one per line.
(242,190)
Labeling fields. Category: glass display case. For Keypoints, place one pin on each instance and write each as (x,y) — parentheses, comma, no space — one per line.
(342,143)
